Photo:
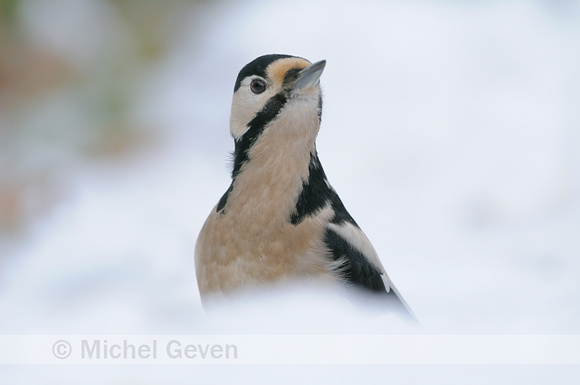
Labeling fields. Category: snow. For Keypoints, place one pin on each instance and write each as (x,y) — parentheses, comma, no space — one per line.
(450,130)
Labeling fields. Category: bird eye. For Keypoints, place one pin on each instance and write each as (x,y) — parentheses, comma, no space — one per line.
(257,86)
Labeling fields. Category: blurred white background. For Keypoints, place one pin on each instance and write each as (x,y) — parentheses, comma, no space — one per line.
(450,129)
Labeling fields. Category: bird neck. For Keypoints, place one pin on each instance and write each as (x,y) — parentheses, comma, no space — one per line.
(270,176)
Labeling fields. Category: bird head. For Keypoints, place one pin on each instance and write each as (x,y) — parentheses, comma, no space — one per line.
(270,87)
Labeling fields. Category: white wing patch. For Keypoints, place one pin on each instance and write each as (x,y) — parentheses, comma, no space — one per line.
(357,239)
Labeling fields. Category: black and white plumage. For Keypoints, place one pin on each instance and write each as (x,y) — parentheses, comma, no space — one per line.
(280,218)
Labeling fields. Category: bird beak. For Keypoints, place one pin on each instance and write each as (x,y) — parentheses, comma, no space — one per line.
(309,76)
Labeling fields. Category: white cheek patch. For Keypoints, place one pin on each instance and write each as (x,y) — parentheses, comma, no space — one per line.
(245,106)
(239,120)
(242,113)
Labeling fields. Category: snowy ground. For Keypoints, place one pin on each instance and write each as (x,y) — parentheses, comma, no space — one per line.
(451,132)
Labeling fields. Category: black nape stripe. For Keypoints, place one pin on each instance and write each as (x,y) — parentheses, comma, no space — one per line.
(357,270)
(257,67)
(243,144)
(224,199)
(256,127)
(316,194)
(320,109)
